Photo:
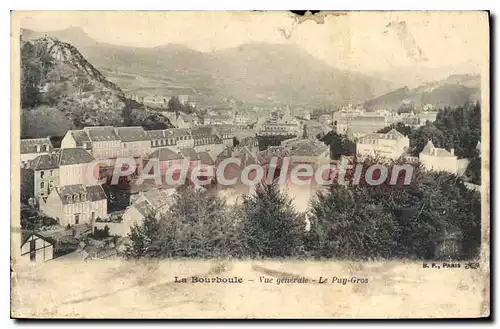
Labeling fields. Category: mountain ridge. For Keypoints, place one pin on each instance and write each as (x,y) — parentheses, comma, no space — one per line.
(254,72)
(61,90)
(455,90)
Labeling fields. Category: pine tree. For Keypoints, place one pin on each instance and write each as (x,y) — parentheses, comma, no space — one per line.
(271,227)
(144,239)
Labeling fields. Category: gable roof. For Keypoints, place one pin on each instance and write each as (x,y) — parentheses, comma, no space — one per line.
(80,137)
(306,147)
(156,134)
(190,153)
(69,191)
(159,197)
(92,193)
(131,134)
(393,134)
(431,150)
(44,162)
(72,156)
(62,157)
(178,132)
(206,158)
(30,145)
(101,133)
(25,235)
(165,154)
(95,193)
(144,208)
(203,132)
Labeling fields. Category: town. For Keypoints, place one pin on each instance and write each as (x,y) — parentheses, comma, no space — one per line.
(55,186)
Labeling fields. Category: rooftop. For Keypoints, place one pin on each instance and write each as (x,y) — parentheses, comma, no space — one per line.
(165,154)
(35,145)
(132,134)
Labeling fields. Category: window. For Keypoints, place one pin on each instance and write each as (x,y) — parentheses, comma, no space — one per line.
(92,215)
(124,145)
(52,173)
(75,197)
(84,197)
(47,148)
(77,219)
(42,173)
(68,198)
(42,185)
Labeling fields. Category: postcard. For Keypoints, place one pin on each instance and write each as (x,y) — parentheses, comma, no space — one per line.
(250,165)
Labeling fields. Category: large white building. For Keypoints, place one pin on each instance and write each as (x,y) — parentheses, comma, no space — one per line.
(76,204)
(63,167)
(438,159)
(280,125)
(109,142)
(390,145)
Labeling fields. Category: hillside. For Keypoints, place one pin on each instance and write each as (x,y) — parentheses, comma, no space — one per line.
(60,89)
(452,91)
(255,73)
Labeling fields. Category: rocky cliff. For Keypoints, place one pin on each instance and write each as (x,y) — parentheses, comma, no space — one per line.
(60,89)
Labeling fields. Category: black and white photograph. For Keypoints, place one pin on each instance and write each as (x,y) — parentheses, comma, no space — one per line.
(250,164)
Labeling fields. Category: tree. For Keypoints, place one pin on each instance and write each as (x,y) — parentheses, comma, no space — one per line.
(144,238)
(424,134)
(271,226)
(205,224)
(473,172)
(399,126)
(198,225)
(174,105)
(395,221)
(339,145)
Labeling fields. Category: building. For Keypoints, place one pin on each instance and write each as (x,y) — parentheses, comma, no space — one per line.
(183,137)
(438,159)
(63,167)
(102,142)
(391,145)
(134,142)
(153,202)
(303,150)
(192,156)
(75,204)
(36,249)
(325,119)
(109,142)
(166,158)
(280,125)
(161,138)
(425,116)
(190,120)
(207,138)
(359,126)
(33,147)
(181,120)
(183,99)
(226,132)
(156,101)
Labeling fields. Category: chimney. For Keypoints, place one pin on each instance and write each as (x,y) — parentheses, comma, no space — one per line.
(452,151)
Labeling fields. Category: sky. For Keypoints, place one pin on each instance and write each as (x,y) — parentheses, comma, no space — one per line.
(361,41)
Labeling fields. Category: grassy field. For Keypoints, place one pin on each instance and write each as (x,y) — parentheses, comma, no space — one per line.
(147,289)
